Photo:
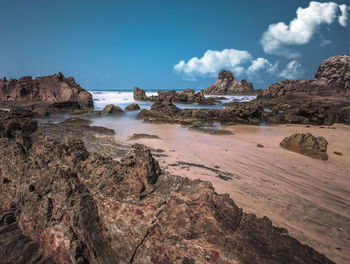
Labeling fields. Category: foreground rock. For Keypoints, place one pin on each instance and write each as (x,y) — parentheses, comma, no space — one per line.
(226,84)
(43,91)
(112,109)
(132,107)
(307,144)
(80,207)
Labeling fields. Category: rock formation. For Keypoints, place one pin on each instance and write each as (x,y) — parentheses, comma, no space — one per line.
(44,90)
(307,144)
(132,107)
(323,100)
(187,96)
(112,109)
(72,206)
(140,95)
(226,84)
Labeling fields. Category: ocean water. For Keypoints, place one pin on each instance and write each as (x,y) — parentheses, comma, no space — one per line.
(125,98)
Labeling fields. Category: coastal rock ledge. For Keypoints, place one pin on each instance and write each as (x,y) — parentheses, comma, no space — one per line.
(61,204)
(44,90)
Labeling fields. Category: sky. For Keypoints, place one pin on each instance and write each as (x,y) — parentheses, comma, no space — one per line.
(174,44)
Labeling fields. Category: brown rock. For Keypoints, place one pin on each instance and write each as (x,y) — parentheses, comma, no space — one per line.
(132,107)
(112,109)
(226,84)
(139,94)
(49,89)
(307,144)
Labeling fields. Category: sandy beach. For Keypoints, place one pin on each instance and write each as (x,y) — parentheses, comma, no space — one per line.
(309,197)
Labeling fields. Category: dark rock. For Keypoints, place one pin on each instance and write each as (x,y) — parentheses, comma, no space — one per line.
(140,136)
(132,107)
(307,144)
(338,153)
(112,109)
(260,145)
(226,84)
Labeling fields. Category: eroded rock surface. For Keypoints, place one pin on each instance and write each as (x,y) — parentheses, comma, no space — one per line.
(44,90)
(307,144)
(81,207)
(227,84)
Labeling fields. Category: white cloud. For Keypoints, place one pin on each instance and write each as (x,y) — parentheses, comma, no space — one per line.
(260,64)
(301,29)
(213,61)
(343,18)
(292,71)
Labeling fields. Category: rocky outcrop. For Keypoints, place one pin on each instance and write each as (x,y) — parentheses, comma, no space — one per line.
(331,79)
(80,207)
(140,95)
(226,84)
(323,100)
(307,144)
(187,96)
(45,90)
(132,107)
(112,109)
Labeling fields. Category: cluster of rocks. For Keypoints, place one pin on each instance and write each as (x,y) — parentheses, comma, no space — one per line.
(187,96)
(227,84)
(164,110)
(49,93)
(62,204)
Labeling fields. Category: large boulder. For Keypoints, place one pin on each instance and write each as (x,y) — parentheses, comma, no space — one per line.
(226,84)
(334,73)
(72,206)
(307,144)
(42,90)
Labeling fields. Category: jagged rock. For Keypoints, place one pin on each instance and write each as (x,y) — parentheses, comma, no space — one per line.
(42,90)
(307,144)
(226,84)
(132,107)
(323,100)
(334,73)
(80,207)
(140,95)
(164,104)
(112,109)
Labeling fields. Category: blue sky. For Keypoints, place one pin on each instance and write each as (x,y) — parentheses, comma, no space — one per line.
(116,45)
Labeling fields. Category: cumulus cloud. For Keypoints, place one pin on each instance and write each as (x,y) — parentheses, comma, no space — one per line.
(260,64)
(292,71)
(302,28)
(343,18)
(213,61)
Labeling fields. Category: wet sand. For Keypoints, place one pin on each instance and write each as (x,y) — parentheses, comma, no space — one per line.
(309,197)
